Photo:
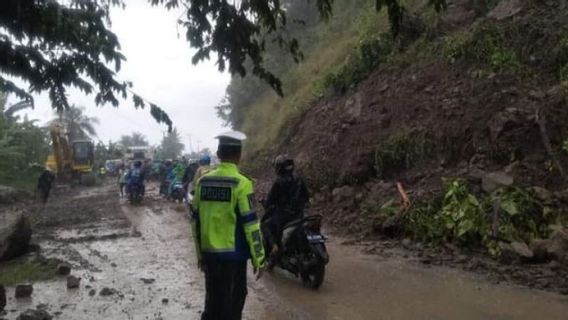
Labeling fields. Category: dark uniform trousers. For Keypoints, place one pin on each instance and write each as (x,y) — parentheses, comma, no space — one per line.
(226,290)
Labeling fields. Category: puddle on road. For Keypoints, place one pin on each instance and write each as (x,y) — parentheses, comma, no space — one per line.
(357,286)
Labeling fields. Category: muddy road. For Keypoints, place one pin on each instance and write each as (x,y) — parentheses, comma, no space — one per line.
(139,263)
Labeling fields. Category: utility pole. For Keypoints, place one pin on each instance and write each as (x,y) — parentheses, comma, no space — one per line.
(190,144)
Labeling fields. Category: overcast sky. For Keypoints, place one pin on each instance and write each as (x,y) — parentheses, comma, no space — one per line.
(159,64)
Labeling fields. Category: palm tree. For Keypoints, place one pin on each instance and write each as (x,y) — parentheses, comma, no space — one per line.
(78,125)
(8,113)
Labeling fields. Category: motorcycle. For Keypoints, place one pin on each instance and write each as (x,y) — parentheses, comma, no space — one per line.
(178,192)
(304,252)
(164,188)
(135,193)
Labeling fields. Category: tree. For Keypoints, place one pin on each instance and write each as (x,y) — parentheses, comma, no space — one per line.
(135,139)
(23,146)
(78,125)
(171,146)
(53,45)
(8,113)
(107,151)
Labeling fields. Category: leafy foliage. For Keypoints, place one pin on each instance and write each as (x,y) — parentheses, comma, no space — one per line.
(23,147)
(109,151)
(78,125)
(460,216)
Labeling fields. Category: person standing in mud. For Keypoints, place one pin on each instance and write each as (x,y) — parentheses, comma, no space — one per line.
(44,184)
(226,232)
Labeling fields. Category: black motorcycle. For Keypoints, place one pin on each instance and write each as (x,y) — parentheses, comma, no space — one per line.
(304,253)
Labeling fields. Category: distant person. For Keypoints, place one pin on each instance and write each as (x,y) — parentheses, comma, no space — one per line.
(189,174)
(204,167)
(122,181)
(135,177)
(44,184)
(226,232)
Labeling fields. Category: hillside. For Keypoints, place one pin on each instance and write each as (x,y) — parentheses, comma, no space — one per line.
(467,110)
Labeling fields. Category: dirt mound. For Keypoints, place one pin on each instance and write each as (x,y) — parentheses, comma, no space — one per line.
(482,100)
(446,118)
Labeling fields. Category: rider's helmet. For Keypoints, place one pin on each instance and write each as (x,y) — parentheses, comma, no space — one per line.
(205,160)
(137,164)
(283,164)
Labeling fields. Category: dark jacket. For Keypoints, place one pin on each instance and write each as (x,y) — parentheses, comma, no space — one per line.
(287,198)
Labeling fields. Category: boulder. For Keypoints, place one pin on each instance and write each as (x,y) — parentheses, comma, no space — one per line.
(343,194)
(23,291)
(495,180)
(105,292)
(8,195)
(2,298)
(540,248)
(15,234)
(506,9)
(558,248)
(32,314)
(542,194)
(73,282)
(515,252)
(63,269)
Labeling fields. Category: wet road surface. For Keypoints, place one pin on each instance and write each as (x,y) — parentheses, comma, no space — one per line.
(145,253)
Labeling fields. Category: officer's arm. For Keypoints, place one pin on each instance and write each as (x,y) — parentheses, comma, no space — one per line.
(195,228)
(249,219)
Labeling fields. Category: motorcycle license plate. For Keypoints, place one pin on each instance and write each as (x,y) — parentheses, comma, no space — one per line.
(316,238)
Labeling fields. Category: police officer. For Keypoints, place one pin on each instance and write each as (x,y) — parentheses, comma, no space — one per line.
(226,232)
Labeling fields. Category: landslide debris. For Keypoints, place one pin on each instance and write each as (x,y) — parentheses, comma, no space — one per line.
(470,117)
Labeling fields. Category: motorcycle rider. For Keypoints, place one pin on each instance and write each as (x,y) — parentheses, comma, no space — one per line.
(135,177)
(285,203)
(204,167)
(176,175)
(189,174)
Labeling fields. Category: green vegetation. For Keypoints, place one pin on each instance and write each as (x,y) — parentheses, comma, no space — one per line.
(171,146)
(563,58)
(399,153)
(457,217)
(368,55)
(461,217)
(78,125)
(23,147)
(252,107)
(27,270)
(487,45)
(387,209)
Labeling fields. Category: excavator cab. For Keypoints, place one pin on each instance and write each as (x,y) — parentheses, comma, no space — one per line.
(83,155)
(83,161)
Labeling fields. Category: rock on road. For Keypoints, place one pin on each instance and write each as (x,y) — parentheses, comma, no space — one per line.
(143,259)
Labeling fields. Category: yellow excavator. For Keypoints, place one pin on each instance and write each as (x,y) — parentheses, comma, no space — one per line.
(71,161)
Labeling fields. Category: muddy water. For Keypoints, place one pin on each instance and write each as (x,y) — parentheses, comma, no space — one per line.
(155,245)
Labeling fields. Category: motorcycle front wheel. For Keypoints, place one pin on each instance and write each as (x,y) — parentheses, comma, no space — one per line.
(313,278)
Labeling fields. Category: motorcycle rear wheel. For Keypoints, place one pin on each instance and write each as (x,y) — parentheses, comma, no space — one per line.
(313,278)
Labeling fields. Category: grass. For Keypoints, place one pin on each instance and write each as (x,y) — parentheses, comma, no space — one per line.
(25,270)
(488,45)
(400,153)
(336,40)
